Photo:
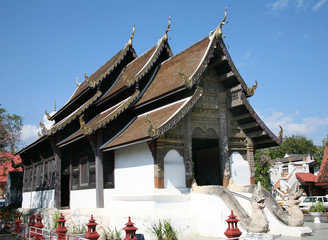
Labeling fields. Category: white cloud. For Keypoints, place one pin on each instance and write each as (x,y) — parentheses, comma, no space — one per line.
(29,132)
(246,55)
(291,124)
(318,5)
(300,3)
(279,5)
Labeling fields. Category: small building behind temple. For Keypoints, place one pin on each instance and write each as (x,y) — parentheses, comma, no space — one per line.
(138,131)
(9,164)
(299,168)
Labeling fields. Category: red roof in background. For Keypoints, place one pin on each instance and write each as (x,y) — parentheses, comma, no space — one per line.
(322,178)
(306,177)
(5,168)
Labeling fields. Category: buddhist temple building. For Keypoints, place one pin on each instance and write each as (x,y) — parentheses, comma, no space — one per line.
(143,127)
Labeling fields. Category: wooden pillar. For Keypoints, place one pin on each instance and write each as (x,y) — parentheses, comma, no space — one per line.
(250,159)
(223,144)
(159,163)
(156,147)
(187,150)
(96,144)
(57,186)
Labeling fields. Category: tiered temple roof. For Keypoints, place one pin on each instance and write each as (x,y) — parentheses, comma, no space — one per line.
(140,98)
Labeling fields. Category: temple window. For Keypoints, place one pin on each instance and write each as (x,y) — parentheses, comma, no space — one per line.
(84,171)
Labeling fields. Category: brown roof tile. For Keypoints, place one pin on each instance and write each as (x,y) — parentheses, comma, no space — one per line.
(102,119)
(322,176)
(137,68)
(138,130)
(167,78)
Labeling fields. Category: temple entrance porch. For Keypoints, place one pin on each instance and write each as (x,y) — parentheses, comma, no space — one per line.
(206,160)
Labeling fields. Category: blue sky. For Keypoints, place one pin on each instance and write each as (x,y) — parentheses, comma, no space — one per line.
(282,44)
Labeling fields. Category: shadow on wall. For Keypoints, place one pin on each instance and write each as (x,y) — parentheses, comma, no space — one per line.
(42,199)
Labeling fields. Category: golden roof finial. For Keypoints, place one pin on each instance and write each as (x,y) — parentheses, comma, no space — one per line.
(223,22)
(132,36)
(77,82)
(251,91)
(281,134)
(55,105)
(47,114)
(43,128)
(167,29)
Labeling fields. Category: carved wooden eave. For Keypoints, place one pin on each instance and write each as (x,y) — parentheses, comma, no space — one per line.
(61,124)
(33,144)
(170,123)
(275,141)
(101,120)
(159,121)
(95,79)
(234,72)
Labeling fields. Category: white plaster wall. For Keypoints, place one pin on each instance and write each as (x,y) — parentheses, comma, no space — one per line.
(240,171)
(174,170)
(39,199)
(210,212)
(83,199)
(134,167)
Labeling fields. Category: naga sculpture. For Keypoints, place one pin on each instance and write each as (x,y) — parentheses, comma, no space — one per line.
(256,222)
(295,216)
(259,221)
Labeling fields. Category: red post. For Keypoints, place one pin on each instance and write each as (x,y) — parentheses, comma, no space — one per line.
(130,231)
(17,222)
(7,227)
(61,230)
(31,224)
(232,230)
(92,233)
(0,218)
(38,224)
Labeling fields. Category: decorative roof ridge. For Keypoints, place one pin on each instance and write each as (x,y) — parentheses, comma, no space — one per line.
(175,118)
(125,104)
(161,44)
(259,120)
(214,36)
(124,51)
(61,124)
(93,83)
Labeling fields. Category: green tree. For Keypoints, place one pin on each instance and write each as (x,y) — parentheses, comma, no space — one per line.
(262,164)
(320,151)
(295,144)
(10,127)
